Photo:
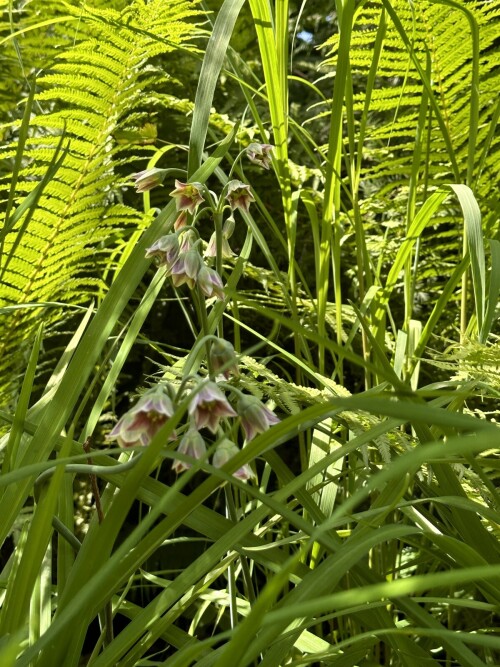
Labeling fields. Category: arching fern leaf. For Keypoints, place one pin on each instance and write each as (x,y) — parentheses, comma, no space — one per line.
(431,119)
(96,87)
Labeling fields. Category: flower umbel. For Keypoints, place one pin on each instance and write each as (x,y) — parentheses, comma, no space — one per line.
(193,445)
(255,417)
(260,154)
(239,195)
(149,178)
(187,196)
(224,452)
(141,423)
(208,406)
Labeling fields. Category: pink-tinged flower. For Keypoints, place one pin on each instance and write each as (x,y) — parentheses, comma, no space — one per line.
(224,453)
(255,417)
(149,178)
(192,445)
(165,250)
(223,358)
(239,195)
(186,268)
(260,154)
(210,282)
(208,407)
(181,221)
(141,423)
(211,250)
(186,241)
(187,196)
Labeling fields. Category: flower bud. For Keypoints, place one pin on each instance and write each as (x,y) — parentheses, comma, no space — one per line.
(210,282)
(193,445)
(165,250)
(223,358)
(148,179)
(228,229)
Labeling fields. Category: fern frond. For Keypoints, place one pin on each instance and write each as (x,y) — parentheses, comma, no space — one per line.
(89,89)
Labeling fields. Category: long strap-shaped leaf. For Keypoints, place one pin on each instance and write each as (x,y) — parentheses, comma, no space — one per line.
(209,75)
(272,36)
(475,247)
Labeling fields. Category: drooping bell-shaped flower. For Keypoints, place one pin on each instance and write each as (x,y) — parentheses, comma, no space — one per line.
(260,154)
(187,196)
(165,250)
(225,451)
(210,282)
(209,406)
(186,268)
(255,416)
(192,445)
(239,195)
(149,178)
(140,424)
(211,249)
(223,358)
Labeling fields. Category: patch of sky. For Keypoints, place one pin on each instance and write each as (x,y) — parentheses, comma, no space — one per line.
(305,36)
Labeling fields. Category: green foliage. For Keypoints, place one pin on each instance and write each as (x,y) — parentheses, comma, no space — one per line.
(371,536)
(94,90)
(426,84)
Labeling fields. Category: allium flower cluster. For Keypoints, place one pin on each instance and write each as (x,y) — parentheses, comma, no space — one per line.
(179,254)
(207,408)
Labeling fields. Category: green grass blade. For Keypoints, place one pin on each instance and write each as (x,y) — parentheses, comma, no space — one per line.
(210,70)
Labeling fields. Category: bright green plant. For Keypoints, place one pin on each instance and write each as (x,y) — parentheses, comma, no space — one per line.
(61,231)
(360,529)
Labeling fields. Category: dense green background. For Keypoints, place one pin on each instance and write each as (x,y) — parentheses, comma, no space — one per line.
(362,302)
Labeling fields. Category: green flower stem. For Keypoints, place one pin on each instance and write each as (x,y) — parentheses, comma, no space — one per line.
(235,390)
(195,350)
(75,468)
(233,604)
(201,309)
(218,261)
(235,162)
(245,570)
